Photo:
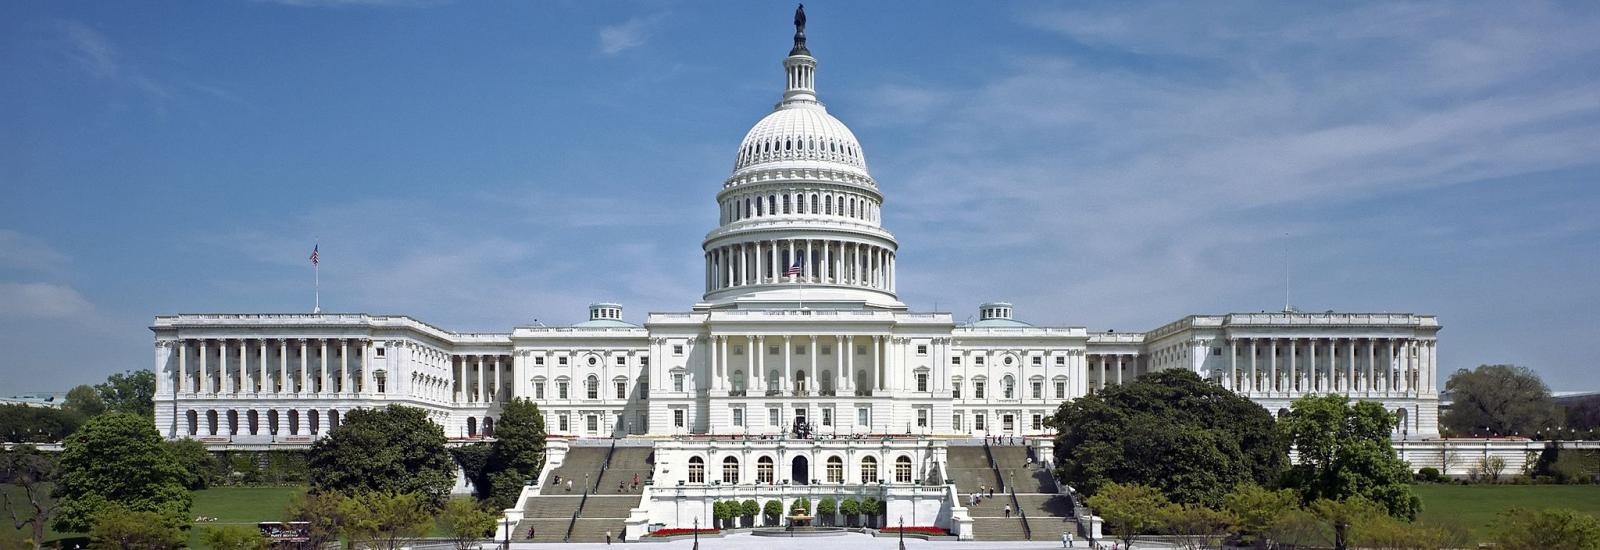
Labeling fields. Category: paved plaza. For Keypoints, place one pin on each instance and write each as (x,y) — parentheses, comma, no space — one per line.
(851,541)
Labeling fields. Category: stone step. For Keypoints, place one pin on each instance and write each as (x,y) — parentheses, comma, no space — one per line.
(991,528)
(609,506)
(594,530)
(544,530)
(551,507)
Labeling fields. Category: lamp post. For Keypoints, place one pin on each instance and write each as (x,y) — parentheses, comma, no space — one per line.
(696,533)
(507,544)
(902,533)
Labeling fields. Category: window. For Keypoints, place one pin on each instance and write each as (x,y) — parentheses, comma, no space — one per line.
(622,361)
(922,381)
(677,349)
(827,416)
(622,389)
(1037,361)
(835,469)
(591,387)
(1008,422)
(697,470)
(977,421)
(561,389)
(863,416)
(1008,387)
(593,360)
(561,361)
(730,470)
(922,349)
(677,381)
(1038,422)
(1060,361)
(738,350)
(738,416)
(379,351)
(1216,351)
(799,350)
(594,423)
(773,350)
(861,350)
(539,361)
(902,469)
(774,417)
(644,361)
(977,360)
(955,421)
(955,389)
(538,390)
(955,360)
(764,469)
(1061,389)
(869,469)
(561,423)
(677,417)
(922,418)
(977,389)
(827,350)
(1038,389)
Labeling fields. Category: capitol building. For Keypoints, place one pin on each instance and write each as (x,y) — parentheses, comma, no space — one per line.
(798,353)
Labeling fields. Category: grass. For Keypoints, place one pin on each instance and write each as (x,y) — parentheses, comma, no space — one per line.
(1477,507)
(239,505)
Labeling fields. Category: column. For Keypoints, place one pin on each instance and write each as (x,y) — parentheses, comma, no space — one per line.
(305,365)
(787,379)
(1371,357)
(816,384)
(205,385)
(721,376)
(322,381)
(758,369)
(183,368)
(261,370)
(808,271)
(1315,383)
(494,390)
(282,383)
(222,368)
(1255,377)
(826,275)
(1272,365)
(1294,372)
(344,365)
(879,352)
(848,348)
(1102,371)
(1233,365)
(368,380)
(788,262)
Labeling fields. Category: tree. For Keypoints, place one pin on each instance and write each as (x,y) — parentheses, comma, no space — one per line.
(389,521)
(467,522)
(1342,514)
(118,458)
(749,509)
(132,392)
(1190,438)
(84,401)
(1554,529)
(1129,510)
(31,472)
(826,509)
(323,515)
(872,508)
(1257,512)
(517,453)
(199,464)
(1499,400)
(473,458)
(1196,527)
(27,424)
(233,537)
(851,510)
(772,510)
(1491,467)
(115,527)
(1345,451)
(395,449)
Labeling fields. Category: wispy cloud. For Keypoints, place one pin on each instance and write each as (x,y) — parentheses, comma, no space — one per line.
(40,301)
(98,56)
(27,253)
(615,39)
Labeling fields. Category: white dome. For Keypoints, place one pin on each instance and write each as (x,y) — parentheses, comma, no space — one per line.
(800,132)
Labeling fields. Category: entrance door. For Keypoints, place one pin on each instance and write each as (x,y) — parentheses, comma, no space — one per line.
(800,474)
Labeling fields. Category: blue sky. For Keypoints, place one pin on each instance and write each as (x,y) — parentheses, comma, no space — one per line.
(480,165)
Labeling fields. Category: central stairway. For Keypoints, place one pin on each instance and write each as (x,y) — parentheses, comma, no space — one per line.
(585,510)
(1047,513)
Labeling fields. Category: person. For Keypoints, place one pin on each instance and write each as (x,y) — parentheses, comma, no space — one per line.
(991,490)
(1066,539)
(636,479)
(1008,511)
(569,486)
(608,538)
(530,532)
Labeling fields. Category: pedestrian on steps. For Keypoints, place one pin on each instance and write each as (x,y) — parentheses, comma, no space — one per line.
(1066,539)
(608,538)
(569,486)
(1008,511)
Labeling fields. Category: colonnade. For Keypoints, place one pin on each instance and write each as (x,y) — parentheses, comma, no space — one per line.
(817,261)
(1302,365)
(845,373)
(481,378)
(255,366)
(1113,368)
(787,202)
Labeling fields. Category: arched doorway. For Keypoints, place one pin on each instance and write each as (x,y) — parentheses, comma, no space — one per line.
(800,472)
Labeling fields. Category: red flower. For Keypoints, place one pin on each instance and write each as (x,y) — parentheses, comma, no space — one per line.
(918,530)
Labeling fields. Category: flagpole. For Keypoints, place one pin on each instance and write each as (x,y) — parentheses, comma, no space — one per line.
(316,286)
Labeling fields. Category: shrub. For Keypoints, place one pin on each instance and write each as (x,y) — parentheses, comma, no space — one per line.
(1429,474)
(1555,528)
(826,509)
(749,510)
(772,510)
(851,510)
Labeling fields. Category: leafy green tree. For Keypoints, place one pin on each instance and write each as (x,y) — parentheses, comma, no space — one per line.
(1345,452)
(198,463)
(1257,512)
(233,537)
(826,509)
(473,458)
(25,424)
(1190,438)
(851,509)
(872,508)
(118,458)
(1195,527)
(1560,528)
(772,510)
(115,527)
(31,472)
(323,514)
(517,453)
(1129,510)
(389,521)
(1499,400)
(1386,532)
(395,449)
(1343,515)
(800,506)
(467,523)
(84,401)
(749,509)
(132,392)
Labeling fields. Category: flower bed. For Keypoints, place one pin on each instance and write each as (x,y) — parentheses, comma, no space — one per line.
(915,530)
(676,532)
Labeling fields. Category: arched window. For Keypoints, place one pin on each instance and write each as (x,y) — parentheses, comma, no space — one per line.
(194,422)
(472,427)
(294,422)
(591,387)
(233,422)
(852,207)
(1008,387)
(786,205)
(313,419)
(211,422)
(835,469)
(333,418)
(730,470)
(272,422)
(902,469)
(488,427)
(253,421)
(827,204)
(761,209)
(764,470)
(697,470)
(869,469)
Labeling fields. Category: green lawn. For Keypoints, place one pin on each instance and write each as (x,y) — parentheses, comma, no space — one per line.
(239,505)
(1477,507)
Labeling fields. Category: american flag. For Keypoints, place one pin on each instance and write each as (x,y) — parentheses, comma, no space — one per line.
(793,269)
(314,254)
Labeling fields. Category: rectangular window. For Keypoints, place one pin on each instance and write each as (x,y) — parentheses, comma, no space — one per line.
(644,361)
(738,416)
(538,361)
(622,361)
(955,391)
(1061,390)
(977,360)
(1008,422)
(827,350)
(1061,361)
(561,390)
(922,418)
(538,390)
(677,381)
(922,381)
(773,350)
(1038,390)
(594,423)
(977,422)
(922,349)
(592,391)
(622,390)
(1038,422)
(861,350)
(677,417)
(799,350)
(1216,352)
(774,417)
(827,416)
(562,422)
(379,351)
(955,360)
(863,416)
(677,349)
(1038,361)
(561,361)
(955,421)
(738,350)
(977,389)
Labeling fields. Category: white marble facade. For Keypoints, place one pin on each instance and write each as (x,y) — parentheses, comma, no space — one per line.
(799,318)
